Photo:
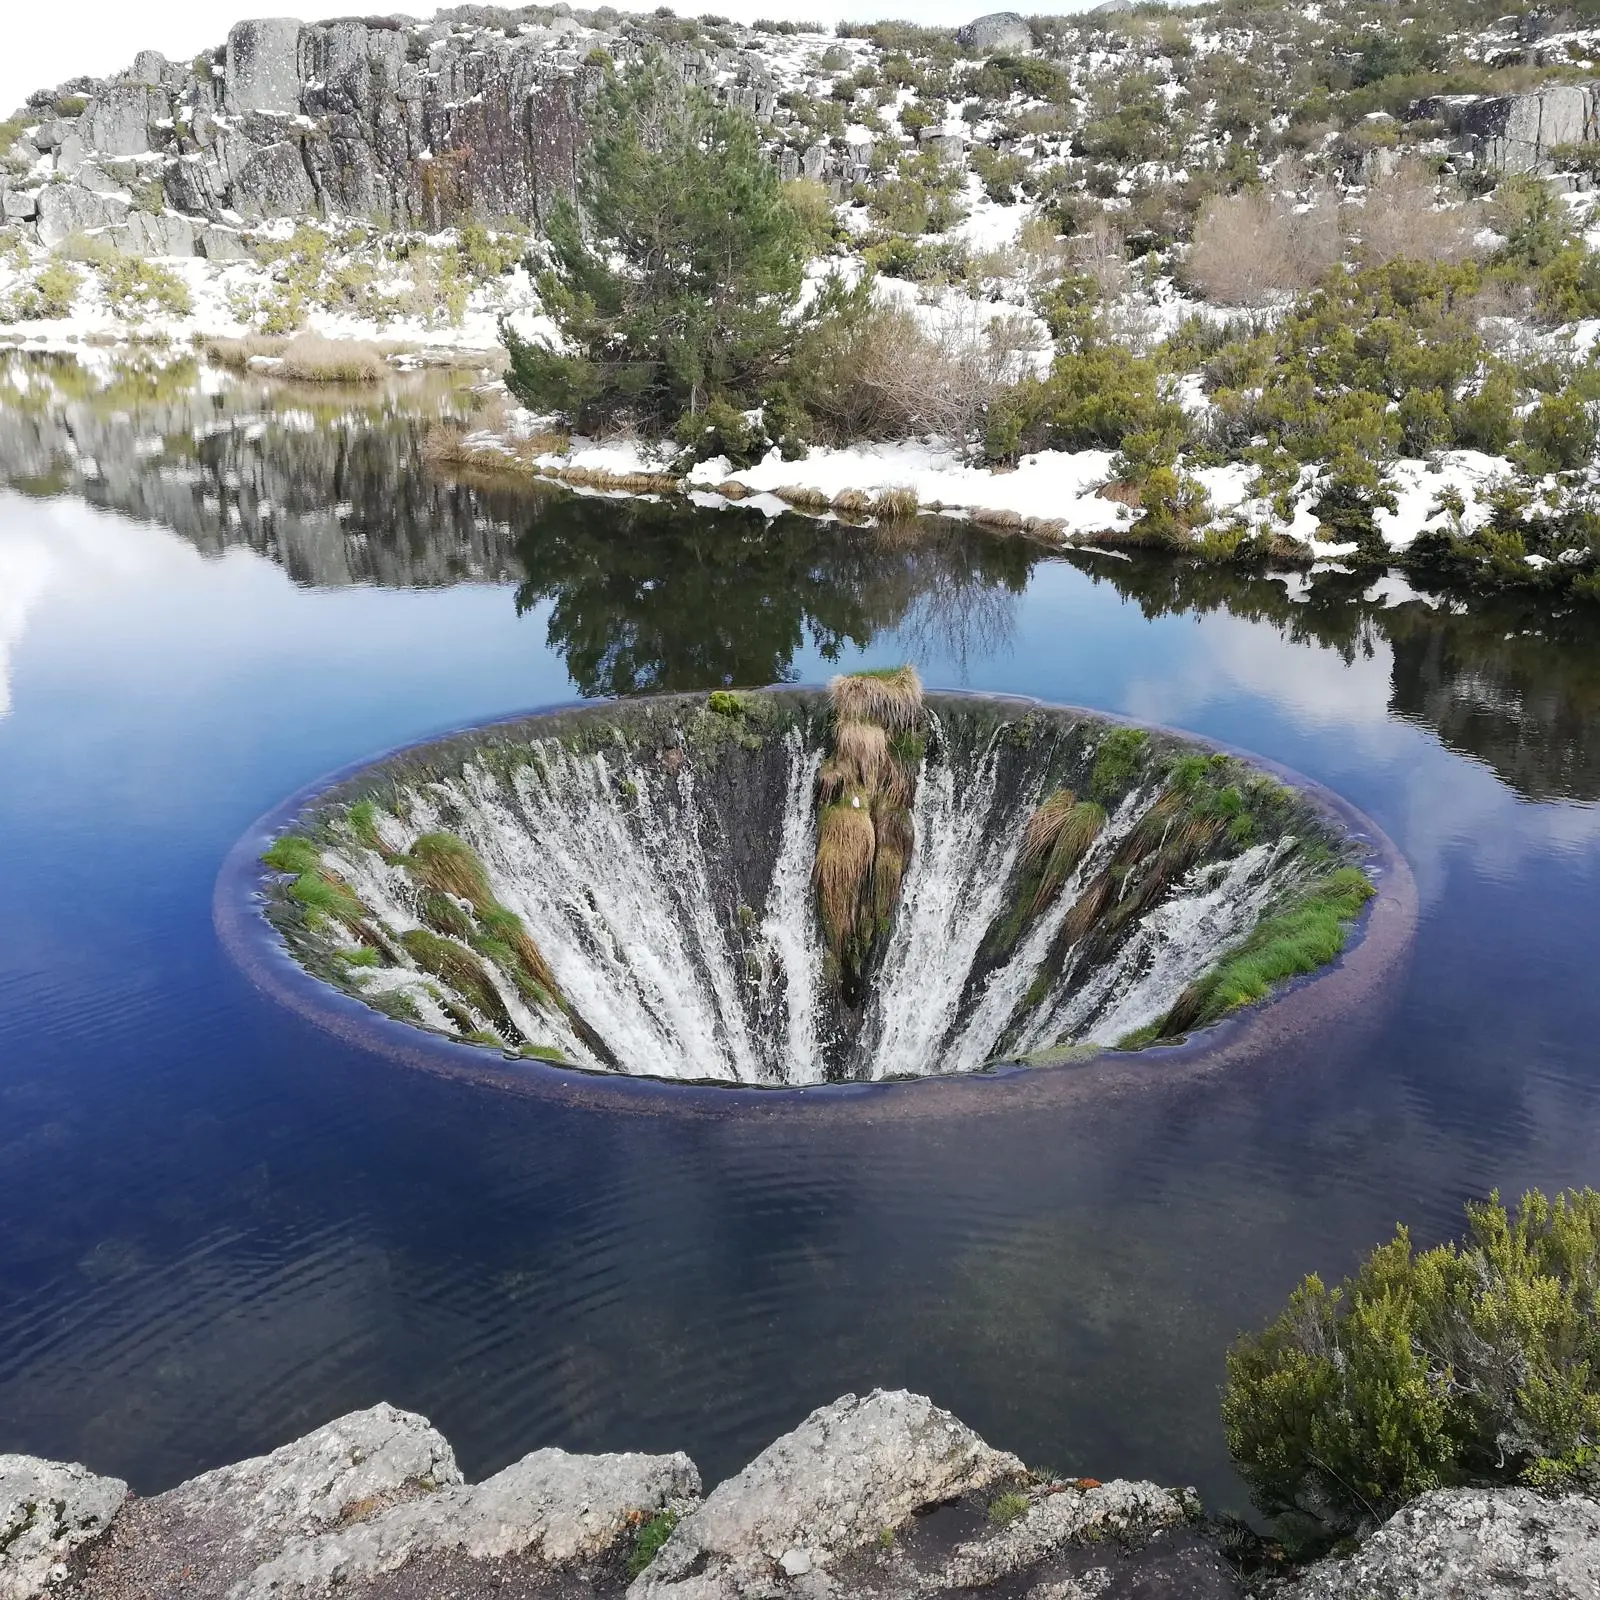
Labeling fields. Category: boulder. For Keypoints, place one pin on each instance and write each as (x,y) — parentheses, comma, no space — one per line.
(822,1493)
(48,1509)
(549,1510)
(149,67)
(117,121)
(201,1538)
(1471,1544)
(273,182)
(164,234)
(1001,33)
(263,66)
(219,243)
(17,205)
(1516,132)
(64,209)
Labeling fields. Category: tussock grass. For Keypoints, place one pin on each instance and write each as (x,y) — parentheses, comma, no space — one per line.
(451,963)
(895,505)
(1007,1507)
(891,697)
(853,504)
(846,840)
(310,358)
(449,865)
(860,756)
(803,499)
(1303,937)
(293,853)
(237,354)
(1056,839)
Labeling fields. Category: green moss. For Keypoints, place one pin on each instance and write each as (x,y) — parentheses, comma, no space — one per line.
(649,1539)
(1007,1507)
(1303,937)
(1117,763)
(726,703)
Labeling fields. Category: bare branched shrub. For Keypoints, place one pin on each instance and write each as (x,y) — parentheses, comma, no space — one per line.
(1404,215)
(1099,252)
(1250,248)
(885,374)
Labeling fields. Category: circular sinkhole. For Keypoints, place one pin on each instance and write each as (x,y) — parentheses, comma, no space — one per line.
(790,887)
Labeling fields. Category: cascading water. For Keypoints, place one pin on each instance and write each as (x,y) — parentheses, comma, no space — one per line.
(634,888)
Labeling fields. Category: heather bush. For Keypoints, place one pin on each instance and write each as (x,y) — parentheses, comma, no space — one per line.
(1476,1362)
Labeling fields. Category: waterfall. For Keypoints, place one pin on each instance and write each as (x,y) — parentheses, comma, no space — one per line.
(672,900)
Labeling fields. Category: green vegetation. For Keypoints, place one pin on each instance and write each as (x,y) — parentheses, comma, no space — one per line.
(322,895)
(649,1539)
(1118,762)
(1476,1362)
(1057,838)
(1008,1507)
(1301,938)
(135,288)
(50,294)
(673,280)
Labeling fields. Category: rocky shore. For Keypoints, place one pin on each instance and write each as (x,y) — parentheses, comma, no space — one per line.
(884,1497)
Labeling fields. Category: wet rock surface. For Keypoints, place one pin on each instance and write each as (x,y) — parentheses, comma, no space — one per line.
(885,1497)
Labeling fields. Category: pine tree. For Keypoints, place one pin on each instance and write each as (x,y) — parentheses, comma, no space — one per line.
(673,279)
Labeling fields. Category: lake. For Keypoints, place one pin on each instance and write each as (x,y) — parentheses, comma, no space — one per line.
(222,1226)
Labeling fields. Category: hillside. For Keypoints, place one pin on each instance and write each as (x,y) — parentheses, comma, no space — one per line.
(1258,281)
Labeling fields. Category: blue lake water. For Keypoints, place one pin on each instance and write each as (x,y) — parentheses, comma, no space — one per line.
(220,1227)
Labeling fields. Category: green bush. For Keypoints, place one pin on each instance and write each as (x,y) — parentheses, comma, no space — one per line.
(677,283)
(50,294)
(1476,1362)
(135,288)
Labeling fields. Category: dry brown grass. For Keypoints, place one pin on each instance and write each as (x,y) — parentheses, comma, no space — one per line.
(893,505)
(1403,215)
(237,354)
(861,750)
(450,866)
(845,847)
(893,700)
(1251,248)
(310,358)
(803,499)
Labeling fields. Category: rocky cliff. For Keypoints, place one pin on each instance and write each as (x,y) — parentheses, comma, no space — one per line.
(474,115)
(883,1498)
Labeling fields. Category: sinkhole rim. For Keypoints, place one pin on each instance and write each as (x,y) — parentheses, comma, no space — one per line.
(1354,984)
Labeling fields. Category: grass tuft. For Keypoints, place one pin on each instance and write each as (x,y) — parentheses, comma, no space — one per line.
(1303,937)
(649,1539)
(310,358)
(845,844)
(890,697)
(1007,1507)
(449,865)
(1056,839)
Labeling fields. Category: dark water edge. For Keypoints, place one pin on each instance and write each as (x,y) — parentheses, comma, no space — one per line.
(222,1226)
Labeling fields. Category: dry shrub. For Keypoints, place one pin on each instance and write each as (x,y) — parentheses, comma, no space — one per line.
(1099,252)
(310,358)
(893,700)
(845,842)
(884,375)
(1402,217)
(237,354)
(1250,248)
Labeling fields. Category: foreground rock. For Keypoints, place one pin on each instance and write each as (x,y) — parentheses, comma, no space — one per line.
(881,1498)
(204,1536)
(1472,1544)
(848,1474)
(47,1510)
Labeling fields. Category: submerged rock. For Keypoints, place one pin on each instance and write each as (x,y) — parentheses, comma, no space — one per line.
(851,1472)
(48,1510)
